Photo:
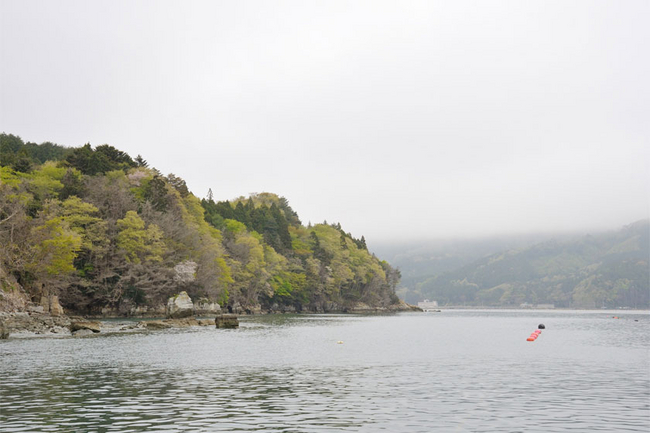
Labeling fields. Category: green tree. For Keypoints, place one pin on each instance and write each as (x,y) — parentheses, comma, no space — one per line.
(138,243)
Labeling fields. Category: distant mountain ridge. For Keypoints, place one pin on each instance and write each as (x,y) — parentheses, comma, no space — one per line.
(591,271)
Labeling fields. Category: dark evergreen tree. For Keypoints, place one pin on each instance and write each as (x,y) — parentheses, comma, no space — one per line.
(343,242)
(282,228)
(319,252)
(241,215)
(178,184)
(141,162)
(258,218)
(22,161)
(156,192)
(224,208)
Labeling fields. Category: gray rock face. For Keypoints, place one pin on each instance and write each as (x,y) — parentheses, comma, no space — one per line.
(36,323)
(205,307)
(51,305)
(55,308)
(180,306)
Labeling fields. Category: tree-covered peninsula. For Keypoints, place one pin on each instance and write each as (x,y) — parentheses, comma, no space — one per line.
(109,235)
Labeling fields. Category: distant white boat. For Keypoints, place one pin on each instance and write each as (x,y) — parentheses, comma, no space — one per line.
(427,305)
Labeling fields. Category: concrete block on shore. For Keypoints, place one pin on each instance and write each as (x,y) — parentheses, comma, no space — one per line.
(226,321)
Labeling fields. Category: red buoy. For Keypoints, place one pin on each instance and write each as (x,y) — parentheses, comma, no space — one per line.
(536,333)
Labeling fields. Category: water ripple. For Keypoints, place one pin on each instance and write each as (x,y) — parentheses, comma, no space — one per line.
(387,376)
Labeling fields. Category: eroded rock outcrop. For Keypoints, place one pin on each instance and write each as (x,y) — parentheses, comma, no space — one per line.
(51,305)
(25,323)
(180,306)
(85,325)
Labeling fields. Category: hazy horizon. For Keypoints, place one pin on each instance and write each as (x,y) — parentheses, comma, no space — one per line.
(423,120)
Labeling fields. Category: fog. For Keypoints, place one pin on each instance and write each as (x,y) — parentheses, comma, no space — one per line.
(398,120)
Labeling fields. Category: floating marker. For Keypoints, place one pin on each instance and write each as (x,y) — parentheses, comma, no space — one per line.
(339,342)
(536,333)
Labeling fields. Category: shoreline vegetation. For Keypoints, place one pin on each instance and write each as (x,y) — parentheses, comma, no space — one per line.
(97,233)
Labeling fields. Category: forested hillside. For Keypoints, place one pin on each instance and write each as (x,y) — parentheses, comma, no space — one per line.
(594,271)
(104,231)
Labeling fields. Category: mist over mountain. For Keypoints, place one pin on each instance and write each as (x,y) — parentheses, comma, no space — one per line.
(606,269)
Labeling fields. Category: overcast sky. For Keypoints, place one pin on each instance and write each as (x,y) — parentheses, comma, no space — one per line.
(397,119)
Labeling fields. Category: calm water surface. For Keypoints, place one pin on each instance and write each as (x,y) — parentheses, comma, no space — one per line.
(455,371)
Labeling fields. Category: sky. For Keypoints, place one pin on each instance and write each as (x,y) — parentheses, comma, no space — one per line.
(398,119)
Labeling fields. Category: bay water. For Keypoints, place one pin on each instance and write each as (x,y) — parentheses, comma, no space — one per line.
(453,371)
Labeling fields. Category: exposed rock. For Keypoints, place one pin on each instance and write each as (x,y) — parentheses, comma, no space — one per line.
(45,303)
(182,323)
(226,321)
(206,307)
(55,308)
(12,297)
(36,309)
(131,326)
(82,332)
(156,324)
(51,305)
(4,332)
(185,322)
(126,310)
(360,307)
(236,308)
(91,326)
(277,308)
(180,306)
(24,323)
(255,309)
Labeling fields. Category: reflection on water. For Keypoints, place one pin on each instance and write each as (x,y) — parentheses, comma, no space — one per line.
(455,371)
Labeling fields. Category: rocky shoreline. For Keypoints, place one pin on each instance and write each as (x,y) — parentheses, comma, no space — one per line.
(29,325)
(48,319)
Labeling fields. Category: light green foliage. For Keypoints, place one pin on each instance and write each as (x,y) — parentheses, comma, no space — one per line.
(9,177)
(139,244)
(234,226)
(51,170)
(46,182)
(82,219)
(55,247)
